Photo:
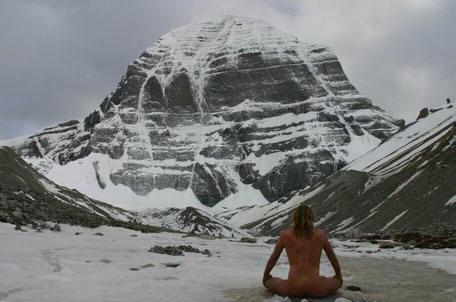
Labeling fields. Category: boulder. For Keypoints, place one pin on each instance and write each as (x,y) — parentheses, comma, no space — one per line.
(248,240)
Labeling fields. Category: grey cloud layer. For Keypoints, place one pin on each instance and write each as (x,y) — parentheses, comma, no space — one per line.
(58,59)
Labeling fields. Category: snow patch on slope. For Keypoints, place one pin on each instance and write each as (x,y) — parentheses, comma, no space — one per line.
(451,201)
(394,220)
(402,186)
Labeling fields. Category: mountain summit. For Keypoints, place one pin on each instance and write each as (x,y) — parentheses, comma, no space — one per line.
(227,112)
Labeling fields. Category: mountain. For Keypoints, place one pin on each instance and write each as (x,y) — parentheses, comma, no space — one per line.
(29,198)
(407,183)
(224,113)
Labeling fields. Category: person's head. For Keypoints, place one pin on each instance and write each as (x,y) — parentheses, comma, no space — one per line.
(303,218)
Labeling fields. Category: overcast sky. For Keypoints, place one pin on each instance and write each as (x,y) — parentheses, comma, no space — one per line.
(59,59)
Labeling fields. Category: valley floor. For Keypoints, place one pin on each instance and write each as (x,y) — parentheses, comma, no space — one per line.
(63,266)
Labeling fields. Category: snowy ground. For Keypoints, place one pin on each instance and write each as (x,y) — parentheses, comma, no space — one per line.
(52,266)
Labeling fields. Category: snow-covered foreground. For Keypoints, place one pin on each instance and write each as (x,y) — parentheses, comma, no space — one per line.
(443,259)
(63,266)
(86,267)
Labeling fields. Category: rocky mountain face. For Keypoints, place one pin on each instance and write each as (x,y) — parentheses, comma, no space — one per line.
(227,112)
(29,198)
(26,196)
(406,184)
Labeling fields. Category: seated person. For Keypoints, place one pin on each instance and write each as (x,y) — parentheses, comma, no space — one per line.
(303,245)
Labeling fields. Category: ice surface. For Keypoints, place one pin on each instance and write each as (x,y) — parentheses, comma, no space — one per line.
(65,267)
(61,266)
(443,259)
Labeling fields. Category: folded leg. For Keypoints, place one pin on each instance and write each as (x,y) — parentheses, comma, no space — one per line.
(324,287)
(278,286)
(320,288)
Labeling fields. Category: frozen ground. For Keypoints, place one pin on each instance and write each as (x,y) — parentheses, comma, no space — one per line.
(63,266)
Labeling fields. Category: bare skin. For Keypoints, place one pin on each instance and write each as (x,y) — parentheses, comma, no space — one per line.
(304,257)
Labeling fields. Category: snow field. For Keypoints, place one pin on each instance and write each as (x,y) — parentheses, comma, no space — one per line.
(117,267)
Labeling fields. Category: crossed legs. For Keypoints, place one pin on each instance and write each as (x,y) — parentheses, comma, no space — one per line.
(320,288)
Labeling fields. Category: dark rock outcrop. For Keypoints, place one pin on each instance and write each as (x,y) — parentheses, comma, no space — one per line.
(423,113)
(178,250)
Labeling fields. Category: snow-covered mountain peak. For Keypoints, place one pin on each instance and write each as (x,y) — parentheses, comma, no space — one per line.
(231,112)
(228,32)
(200,49)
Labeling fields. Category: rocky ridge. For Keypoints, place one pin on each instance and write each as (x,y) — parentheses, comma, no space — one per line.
(27,197)
(404,187)
(190,220)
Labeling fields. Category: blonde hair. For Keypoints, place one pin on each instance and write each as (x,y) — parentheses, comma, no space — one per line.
(303,218)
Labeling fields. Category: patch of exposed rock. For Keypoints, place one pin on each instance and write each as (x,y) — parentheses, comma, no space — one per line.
(178,250)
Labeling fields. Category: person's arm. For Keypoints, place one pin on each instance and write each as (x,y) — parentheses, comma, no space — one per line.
(332,258)
(273,258)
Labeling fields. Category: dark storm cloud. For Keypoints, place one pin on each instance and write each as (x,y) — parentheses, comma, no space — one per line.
(58,59)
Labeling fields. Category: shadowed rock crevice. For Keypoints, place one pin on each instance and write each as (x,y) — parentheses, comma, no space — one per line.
(153,99)
(180,95)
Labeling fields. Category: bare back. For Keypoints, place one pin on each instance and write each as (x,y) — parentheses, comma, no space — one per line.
(304,257)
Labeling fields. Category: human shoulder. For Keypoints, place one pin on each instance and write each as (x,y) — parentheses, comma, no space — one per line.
(320,234)
(284,234)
